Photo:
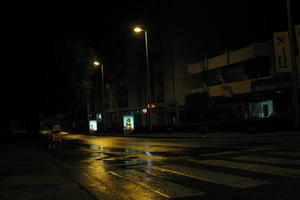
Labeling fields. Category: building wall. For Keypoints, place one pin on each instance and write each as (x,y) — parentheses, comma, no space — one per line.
(218,61)
(178,48)
(227,59)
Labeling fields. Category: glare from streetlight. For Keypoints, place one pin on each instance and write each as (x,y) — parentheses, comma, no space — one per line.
(137,29)
(96,63)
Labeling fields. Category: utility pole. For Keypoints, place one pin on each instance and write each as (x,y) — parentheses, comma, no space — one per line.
(148,81)
(294,73)
(103,107)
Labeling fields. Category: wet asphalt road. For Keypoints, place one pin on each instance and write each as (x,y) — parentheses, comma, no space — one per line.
(117,168)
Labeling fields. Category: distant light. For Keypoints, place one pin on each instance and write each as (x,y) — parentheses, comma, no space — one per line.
(99,116)
(137,29)
(96,63)
(93,125)
(144,111)
(152,105)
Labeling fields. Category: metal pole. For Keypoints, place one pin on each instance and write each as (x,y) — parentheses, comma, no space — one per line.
(148,82)
(102,77)
(294,72)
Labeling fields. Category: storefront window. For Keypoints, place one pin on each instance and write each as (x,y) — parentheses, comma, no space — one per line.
(261,109)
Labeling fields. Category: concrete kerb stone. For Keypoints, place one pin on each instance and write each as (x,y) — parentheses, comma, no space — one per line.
(203,136)
(177,135)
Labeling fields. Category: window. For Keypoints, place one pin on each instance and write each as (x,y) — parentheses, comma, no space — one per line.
(233,73)
(257,67)
(261,109)
(214,77)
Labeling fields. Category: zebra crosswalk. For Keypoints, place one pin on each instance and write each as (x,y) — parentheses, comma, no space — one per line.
(260,168)
(264,160)
(242,170)
(213,177)
(205,171)
(169,189)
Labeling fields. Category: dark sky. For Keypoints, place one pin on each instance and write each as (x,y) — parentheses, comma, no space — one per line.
(96,21)
(30,29)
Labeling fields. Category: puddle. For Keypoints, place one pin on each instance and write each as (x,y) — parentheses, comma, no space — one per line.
(122,162)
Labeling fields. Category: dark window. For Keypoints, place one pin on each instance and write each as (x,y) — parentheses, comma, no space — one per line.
(214,77)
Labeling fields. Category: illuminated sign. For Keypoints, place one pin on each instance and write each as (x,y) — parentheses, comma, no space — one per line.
(93,125)
(128,123)
(144,111)
(99,116)
(152,105)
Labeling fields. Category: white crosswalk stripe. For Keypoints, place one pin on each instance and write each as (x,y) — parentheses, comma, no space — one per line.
(268,160)
(260,168)
(212,177)
(286,153)
(219,153)
(164,188)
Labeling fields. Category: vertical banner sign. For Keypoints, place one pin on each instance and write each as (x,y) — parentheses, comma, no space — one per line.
(282,51)
(297,33)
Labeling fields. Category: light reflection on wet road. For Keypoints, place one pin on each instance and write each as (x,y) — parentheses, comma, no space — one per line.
(157,169)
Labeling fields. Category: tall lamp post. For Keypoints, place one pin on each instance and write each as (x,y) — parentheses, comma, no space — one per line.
(294,71)
(138,29)
(98,63)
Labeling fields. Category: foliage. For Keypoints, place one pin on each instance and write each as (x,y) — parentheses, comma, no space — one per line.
(71,68)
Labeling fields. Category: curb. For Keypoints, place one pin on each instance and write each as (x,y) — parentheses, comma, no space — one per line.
(197,136)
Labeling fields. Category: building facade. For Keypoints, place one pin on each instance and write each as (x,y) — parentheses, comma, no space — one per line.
(192,81)
(240,88)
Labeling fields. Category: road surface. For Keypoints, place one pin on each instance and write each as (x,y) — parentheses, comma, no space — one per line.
(126,168)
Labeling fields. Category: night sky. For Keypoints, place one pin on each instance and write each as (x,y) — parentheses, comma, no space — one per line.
(32,30)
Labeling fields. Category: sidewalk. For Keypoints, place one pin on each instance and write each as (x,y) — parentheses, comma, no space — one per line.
(26,173)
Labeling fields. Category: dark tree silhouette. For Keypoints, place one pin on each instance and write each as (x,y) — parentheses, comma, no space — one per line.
(68,77)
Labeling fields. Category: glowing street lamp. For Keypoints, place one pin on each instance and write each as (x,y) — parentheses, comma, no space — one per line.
(96,63)
(138,29)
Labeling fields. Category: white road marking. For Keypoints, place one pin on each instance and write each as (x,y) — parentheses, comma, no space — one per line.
(213,177)
(219,153)
(285,153)
(266,169)
(268,160)
(162,187)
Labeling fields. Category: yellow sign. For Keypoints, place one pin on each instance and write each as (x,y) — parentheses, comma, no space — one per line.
(282,51)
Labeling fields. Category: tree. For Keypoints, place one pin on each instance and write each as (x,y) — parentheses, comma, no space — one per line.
(68,77)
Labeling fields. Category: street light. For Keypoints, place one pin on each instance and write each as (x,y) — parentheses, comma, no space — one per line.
(98,63)
(138,29)
(294,71)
